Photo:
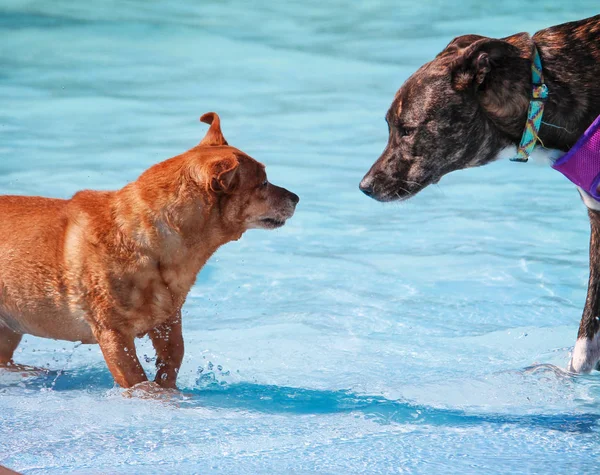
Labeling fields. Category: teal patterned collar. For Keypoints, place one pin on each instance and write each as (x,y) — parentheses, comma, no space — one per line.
(539,94)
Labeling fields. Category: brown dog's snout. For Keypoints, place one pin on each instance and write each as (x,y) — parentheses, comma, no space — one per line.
(285,195)
(294,198)
(281,206)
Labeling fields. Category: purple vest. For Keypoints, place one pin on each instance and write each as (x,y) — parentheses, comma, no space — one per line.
(581,164)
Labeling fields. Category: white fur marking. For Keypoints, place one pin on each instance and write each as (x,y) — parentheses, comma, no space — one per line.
(545,156)
(585,354)
(540,155)
(506,153)
(590,202)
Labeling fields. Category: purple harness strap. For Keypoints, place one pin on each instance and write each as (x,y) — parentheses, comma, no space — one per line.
(581,164)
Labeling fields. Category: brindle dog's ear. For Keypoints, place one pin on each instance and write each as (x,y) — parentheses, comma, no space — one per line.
(222,174)
(214,136)
(498,71)
(478,60)
(459,43)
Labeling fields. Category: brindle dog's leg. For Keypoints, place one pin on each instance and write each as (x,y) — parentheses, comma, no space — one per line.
(586,353)
(168,343)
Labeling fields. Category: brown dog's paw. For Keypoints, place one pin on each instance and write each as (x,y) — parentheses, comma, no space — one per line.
(151,390)
(22,370)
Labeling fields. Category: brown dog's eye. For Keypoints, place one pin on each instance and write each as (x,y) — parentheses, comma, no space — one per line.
(264,183)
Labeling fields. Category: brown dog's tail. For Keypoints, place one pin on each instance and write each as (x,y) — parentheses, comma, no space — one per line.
(214,136)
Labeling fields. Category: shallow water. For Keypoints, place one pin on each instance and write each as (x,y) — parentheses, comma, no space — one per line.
(360,337)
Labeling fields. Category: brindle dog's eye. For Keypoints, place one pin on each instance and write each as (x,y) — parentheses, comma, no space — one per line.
(405,131)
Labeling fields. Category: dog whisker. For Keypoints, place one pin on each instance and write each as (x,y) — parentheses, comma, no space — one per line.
(439,188)
(402,189)
(408,182)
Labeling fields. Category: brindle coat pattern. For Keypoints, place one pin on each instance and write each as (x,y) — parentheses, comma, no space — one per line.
(461,109)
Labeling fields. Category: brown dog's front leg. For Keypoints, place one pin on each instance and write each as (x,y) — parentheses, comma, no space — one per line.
(9,341)
(168,343)
(587,348)
(119,352)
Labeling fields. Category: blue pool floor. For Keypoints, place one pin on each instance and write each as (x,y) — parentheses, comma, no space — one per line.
(359,338)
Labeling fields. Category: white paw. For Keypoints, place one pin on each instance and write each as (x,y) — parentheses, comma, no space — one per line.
(585,354)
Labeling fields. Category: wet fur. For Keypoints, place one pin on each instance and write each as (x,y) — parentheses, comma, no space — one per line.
(109,266)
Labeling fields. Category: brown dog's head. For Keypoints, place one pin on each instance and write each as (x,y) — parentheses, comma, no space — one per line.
(457,111)
(238,185)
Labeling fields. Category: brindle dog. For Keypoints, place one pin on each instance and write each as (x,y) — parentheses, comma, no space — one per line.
(461,109)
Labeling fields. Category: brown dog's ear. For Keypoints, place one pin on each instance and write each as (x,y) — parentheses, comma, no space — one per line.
(214,136)
(478,60)
(221,174)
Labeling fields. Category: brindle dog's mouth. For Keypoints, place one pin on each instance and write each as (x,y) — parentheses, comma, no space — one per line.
(394,193)
(399,191)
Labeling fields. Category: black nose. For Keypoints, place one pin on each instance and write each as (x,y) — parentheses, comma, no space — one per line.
(366,188)
(295,198)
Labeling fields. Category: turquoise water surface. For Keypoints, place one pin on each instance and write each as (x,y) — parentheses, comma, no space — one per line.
(361,337)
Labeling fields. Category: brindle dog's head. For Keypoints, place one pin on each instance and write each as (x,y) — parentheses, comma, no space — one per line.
(457,111)
(243,196)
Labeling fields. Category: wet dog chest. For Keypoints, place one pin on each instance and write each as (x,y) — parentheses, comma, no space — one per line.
(151,297)
(146,300)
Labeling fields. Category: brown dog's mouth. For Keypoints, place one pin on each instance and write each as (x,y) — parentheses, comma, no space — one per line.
(271,223)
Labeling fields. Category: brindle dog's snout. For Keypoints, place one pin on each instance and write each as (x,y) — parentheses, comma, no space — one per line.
(366,186)
(375,182)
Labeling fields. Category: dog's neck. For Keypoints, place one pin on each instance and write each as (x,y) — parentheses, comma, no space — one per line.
(574,90)
(170,232)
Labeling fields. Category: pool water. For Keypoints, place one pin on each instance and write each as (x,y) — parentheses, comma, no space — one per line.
(361,337)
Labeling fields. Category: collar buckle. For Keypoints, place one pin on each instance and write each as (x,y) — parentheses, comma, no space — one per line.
(539,92)
(520,159)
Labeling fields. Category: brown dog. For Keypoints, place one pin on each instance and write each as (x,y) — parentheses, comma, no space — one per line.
(109,266)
